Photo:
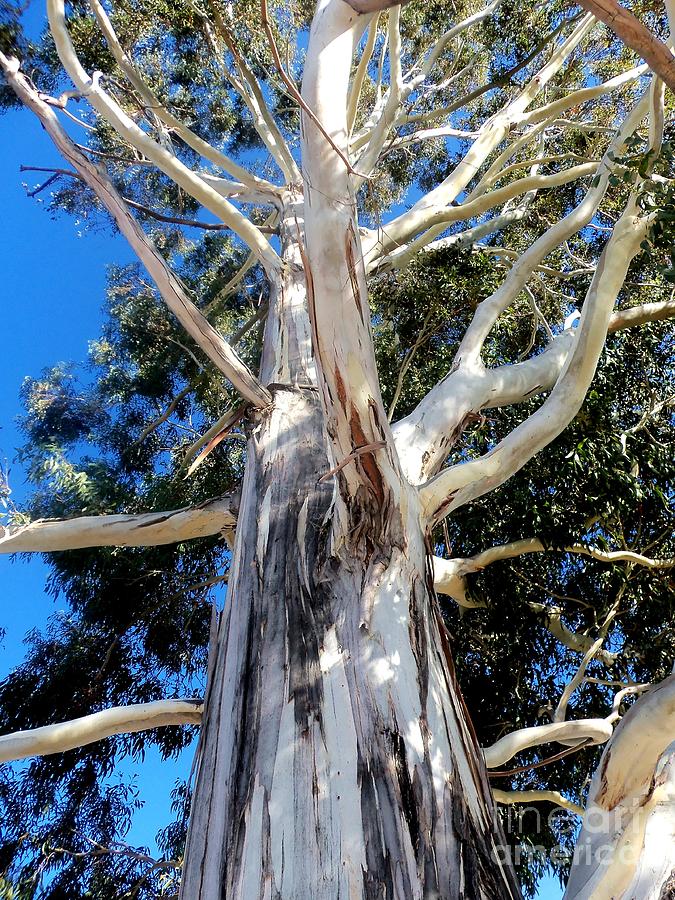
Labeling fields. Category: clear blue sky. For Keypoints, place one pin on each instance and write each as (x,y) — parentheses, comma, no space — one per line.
(54,279)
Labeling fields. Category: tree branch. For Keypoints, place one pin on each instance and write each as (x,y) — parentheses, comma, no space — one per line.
(360,74)
(88,729)
(252,95)
(535,545)
(170,287)
(159,111)
(621,850)
(593,731)
(140,530)
(491,135)
(191,182)
(431,217)
(462,483)
(333,262)
(640,315)
(510,797)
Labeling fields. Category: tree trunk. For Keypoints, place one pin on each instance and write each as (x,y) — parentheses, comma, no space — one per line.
(336,758)
(626,849)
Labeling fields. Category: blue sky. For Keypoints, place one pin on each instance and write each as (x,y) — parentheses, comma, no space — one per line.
(54,278)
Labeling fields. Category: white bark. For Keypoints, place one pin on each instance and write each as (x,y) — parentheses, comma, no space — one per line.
(357,422)
(97,726)
(626,846)
(191,182)
(336,695)
(449,573)
(492,134)
(592,731)
(445,215)
(459,484)
(141,530)
(331,674)
(336,754)
(424,436)
(159,112)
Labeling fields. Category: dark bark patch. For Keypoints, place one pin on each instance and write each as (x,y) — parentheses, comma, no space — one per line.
(405,786)
(668,889)
(367,461)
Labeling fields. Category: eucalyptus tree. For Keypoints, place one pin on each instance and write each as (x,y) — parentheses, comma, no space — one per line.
(481,168)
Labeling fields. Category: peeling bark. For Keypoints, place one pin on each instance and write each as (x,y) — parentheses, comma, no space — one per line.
(336,757)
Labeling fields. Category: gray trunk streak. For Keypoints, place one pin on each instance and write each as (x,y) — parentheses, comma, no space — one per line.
(336,758)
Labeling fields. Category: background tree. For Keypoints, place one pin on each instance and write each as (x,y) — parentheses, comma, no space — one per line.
(559,563)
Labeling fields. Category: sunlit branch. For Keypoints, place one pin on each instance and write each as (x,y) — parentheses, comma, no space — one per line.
(428,431)
(578,677)
(450,580)
(160,112)
(491,135)
(459,484)
(502,159)
(429,219)
(503,80)
(582,731)
(535,545)
(428,134)
(640,315)
(636,36)
(555,797)
(361,73)
(188,223)
(629,807)
(550,617)
(140,530)
(170,287)
(251,93)
(417,76)
(226,421)
(296,95)
(583,95)
(621,695)
(368,158)
(97,726)
(191,182)
(461,240)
